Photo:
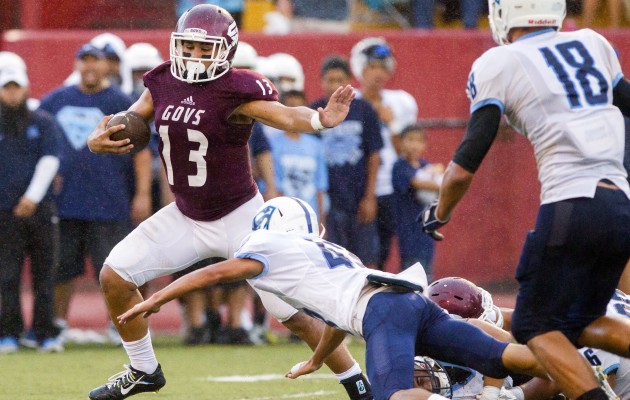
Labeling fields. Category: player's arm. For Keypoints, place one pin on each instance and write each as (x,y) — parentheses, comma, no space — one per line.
(480,133)
(141,202)
(621,96)
(330,340)
(99,141)
(227,271)
(300,119)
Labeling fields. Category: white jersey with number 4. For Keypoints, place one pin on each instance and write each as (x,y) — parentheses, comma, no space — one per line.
(556,89)
(318,277)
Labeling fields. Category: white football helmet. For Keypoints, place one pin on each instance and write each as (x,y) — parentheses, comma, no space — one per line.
(143,57)
(11,60)
(213,26)
(287,214)
(428,374)
(507,14)
(373,48)
(288,73)
(246,56)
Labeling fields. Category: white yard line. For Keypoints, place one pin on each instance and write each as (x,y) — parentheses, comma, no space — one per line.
(295,396)
(261,378)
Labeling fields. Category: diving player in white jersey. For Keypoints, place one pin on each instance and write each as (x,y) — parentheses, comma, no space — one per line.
(564,92)
(285,256)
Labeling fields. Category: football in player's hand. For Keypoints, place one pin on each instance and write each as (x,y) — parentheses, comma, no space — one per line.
(136,129)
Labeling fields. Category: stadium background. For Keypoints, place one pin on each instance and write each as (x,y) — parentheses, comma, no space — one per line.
(484,240)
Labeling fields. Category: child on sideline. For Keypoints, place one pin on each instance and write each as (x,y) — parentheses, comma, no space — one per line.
(299,162)
(416,183)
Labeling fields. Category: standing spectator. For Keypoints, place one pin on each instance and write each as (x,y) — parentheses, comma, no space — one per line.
(94,208)
(574,257)
(352,154)
(423,13)
(234,7)
(300,163)
(373,64)
(590,9)
(416,184)
(29,162)
(117,72)
(313,15)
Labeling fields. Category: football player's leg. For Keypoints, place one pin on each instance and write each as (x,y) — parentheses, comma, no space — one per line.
(161,245)
(570,254)
(390,332)
(310,330)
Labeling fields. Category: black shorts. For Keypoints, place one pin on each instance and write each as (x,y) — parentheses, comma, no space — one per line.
(571,264)
(79,239)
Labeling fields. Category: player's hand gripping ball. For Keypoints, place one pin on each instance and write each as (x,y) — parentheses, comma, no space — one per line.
(136,129)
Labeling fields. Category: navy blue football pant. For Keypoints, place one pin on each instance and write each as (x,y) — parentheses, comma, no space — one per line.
(399,326)
(33,236)
(571,264)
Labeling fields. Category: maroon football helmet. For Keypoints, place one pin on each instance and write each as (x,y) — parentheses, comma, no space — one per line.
(458,296)
(211,25)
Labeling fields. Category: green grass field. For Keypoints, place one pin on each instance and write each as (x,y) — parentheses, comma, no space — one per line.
(202,372)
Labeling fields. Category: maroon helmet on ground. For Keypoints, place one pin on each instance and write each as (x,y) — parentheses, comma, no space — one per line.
(458,296)
(461,297)
(209,24)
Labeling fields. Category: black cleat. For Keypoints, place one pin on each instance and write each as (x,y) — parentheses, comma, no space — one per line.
(129,382)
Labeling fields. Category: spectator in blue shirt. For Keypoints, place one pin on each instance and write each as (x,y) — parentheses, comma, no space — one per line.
(29,162)
(352,154)
(299,162)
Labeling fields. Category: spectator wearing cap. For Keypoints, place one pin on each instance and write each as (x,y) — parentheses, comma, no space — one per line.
(373,65)
(351,150)
(29,162)
(98,196)
(118,71)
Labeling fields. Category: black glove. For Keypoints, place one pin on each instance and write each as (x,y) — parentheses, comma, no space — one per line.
(430,222)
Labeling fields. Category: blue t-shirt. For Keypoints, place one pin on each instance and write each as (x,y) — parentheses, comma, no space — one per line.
(19,156)
(300,167)
(413,243)
(347,148)
(258,144)
(95,187)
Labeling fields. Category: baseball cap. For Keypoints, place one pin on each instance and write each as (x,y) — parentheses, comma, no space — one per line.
(378,52)
(89,49)
(16,75)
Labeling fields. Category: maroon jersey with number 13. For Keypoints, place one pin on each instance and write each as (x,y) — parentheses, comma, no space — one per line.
(206,156)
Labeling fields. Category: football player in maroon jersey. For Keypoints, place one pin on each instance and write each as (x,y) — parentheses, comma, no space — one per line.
(203,111)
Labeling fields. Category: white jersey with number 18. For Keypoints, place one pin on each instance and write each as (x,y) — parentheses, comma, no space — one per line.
(556,89)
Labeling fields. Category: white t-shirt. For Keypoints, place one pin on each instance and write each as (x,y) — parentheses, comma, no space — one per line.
(405,110)
(556,89)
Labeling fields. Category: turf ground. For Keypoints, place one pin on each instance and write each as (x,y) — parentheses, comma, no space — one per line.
(202,372)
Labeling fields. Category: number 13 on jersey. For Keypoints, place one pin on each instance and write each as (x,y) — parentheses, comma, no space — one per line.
(196,156)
